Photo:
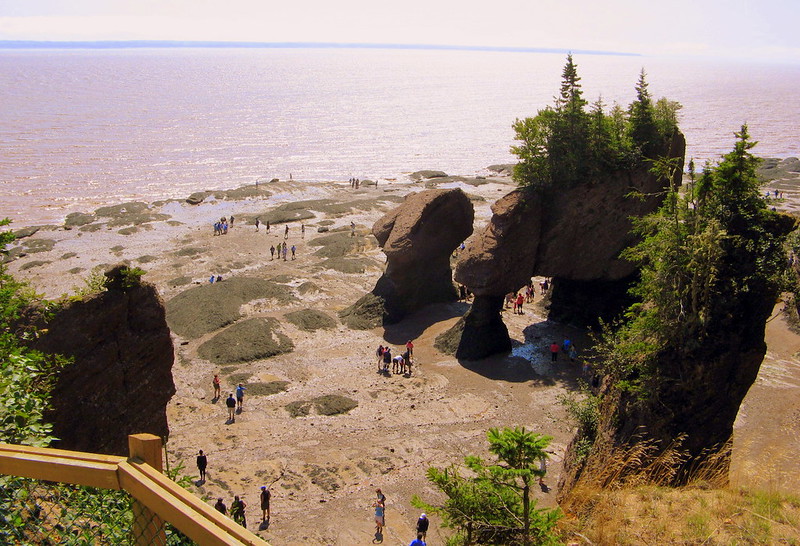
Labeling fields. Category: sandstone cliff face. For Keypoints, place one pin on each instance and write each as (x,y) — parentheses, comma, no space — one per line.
(418,238)
(121,378)
(696,399)
(573,233)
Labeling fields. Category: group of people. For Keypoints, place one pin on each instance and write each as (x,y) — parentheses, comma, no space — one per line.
(258,223)
(567,347)
(515,300)
(221,226)
(400,364)
(238,506)
(380,521)
(282,251)
(233,404)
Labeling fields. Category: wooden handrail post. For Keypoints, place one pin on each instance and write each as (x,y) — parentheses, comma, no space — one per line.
(148,528)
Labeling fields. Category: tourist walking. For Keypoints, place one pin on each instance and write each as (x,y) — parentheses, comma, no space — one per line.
(554,349)
(410,347)
(379,520)
(237,511)
(265,497)
(202,463)
(286,232)
(387,359)
(285,250)
(216,384)
(272,252)
(422,526)
(220,507)
(379,353)
(520,301)
(294,249)
(257,223)
(418,541)
(230,402)
(239,396)
(573,353)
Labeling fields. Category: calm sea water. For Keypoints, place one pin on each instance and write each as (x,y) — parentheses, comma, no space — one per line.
(84,128)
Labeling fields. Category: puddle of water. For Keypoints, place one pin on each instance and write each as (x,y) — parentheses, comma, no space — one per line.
(538,357)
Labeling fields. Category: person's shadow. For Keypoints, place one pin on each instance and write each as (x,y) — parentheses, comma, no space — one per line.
(200,482)
(378,538)
(264,525)
(215,400)
(238,411)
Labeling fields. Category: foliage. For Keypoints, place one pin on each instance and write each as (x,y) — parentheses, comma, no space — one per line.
(131,277)
(84,515)
(583,409)
(26,375)
(123,278)
(706,255)
(564,144)
(492,504)
(94,283)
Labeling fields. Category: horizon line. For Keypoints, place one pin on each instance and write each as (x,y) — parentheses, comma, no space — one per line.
(189,44)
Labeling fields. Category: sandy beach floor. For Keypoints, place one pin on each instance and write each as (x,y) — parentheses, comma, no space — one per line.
(323,469)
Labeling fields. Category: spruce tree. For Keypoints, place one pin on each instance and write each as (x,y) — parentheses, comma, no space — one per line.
(568,146)
(643,129)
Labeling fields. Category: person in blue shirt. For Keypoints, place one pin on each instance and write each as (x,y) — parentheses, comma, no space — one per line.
(239,396)
(418,541)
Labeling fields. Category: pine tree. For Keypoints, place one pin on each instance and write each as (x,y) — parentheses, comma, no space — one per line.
(494,506)
(643,129)
(568,145)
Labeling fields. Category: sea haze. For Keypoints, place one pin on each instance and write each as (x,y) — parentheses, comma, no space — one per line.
(83,128)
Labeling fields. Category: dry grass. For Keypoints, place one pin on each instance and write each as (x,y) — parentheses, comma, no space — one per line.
(688,515)
(627,501)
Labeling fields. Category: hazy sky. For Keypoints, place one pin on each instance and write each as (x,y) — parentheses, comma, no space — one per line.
(745,29)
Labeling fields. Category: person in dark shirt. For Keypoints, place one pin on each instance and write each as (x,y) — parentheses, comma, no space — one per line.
(422,526)
(202,463)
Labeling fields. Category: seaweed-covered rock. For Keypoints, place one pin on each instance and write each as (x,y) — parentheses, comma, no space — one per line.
(197,197)
(365,314)
(78,219)
(245,341)
(208,307)
(311,320)
(329,404)
(427,174)
(26,232)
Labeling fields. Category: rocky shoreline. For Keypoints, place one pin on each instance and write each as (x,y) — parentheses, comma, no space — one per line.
(320,425)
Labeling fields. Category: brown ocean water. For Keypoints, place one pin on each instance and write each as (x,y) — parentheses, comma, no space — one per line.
(85,128)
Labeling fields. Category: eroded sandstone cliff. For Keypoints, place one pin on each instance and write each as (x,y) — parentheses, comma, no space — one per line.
(418,238)
(121,377)
(574,233)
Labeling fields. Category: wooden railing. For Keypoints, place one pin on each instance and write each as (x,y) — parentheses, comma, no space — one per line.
(159,498)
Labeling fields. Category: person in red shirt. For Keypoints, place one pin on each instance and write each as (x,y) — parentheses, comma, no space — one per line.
(410,348)
(554,350)
(520,301)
